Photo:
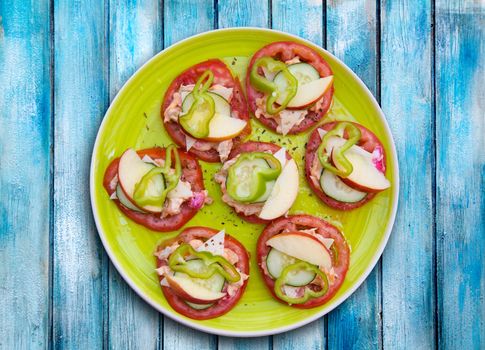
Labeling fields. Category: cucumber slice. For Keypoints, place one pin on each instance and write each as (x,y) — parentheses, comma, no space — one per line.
(222,107)
(214,283)
(276,261)
(125,201)
(303,72)
(335,188)
(244,176)
(299,278)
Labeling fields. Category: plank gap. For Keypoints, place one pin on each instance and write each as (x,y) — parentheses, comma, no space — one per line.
(51,173)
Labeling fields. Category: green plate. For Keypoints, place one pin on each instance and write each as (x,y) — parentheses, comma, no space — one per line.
(133,120)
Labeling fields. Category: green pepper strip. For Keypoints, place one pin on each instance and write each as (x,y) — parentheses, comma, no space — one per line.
(259,176)
(171,177)
(267,86)
(301,265)
(215,264)
(196,121)
(354,137)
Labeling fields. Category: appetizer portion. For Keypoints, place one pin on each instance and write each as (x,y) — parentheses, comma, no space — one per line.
(203,272)
(345,165)
(303,260)
(158,188)
(260,181)
(204,111)
(289,87)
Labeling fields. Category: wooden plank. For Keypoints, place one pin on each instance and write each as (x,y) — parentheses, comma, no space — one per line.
(198,16)
(351,36)
(234,14)
(81,98)
(406,94)
(185,18)
(24,175)
(460,173)
(134,37)
(304,19)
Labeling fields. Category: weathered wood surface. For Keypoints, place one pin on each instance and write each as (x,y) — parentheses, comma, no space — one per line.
(408,288)
(61,62)
(25,163)
(460,173)
(79,290)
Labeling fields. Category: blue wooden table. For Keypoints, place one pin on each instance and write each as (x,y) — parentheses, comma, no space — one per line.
(62,61)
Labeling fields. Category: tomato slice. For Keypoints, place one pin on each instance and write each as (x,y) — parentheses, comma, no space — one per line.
(284,51)
(225,304)
(340,255)
(191,172)
(222,76)
(253,146)
(368,142)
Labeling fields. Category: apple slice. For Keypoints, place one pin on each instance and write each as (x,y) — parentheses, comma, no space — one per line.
(302,246)
(283,194)
(191,291)
(365,177)
(223,127)
(281,156)
(311,92)
(308,93)
(131,170)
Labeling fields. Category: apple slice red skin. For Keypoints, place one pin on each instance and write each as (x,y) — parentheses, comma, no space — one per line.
(368,142)
(355,185)
(191,171)
(284,51)
(186,296)
(253,146)
(221,306)
(300,222)
(358,187)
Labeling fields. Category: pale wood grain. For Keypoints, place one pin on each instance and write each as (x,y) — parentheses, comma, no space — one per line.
(24,174)
(80,312)
(134,37)
(237,13)
(406,87)
(302,18)
(351,36)
(460,173)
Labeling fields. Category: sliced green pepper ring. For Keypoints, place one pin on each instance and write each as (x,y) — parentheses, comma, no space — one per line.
(215,264)
(267,86)
(247,178)
(171,178)
(196,121)
(301,265)
(339,153)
